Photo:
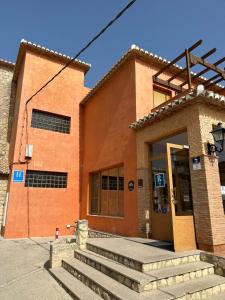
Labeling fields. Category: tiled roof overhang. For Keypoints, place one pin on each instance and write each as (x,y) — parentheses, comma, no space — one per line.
(145,56)
(134,51)
(4,166)
(7,64)
(26,45)
(199,94)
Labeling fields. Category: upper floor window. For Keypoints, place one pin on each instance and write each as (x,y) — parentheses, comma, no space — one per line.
(50,121)
(160,96)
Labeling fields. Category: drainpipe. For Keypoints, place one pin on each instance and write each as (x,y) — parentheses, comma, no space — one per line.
(5,209)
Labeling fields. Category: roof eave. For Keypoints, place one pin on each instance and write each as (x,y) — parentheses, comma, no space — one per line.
(25,45)
(139,53)
(197,95)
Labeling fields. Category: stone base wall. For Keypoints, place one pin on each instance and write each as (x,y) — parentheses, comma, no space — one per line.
(217,261)
(6,73)
(100,234)
(3,189)
(144,224)
(60,250)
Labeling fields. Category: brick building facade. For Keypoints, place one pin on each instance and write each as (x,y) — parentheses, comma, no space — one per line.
(95,156)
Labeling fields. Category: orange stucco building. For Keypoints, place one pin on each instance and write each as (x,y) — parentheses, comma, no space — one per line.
(127,155)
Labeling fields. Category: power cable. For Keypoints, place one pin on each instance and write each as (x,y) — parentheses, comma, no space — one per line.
(84,48)
(49,81)
(110,23)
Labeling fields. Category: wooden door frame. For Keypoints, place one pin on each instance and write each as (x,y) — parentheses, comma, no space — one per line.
(189,219)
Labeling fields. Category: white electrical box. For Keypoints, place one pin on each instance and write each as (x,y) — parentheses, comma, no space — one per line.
(29,151)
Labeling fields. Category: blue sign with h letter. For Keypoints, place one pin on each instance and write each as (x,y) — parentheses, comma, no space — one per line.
(159,179)
(18,176)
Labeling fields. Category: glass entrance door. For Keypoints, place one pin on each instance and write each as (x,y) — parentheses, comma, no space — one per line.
(180,195)
(160,216)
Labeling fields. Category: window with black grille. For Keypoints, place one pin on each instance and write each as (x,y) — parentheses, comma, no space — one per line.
(49,121)
(104,182)
(113,183)
(43,179)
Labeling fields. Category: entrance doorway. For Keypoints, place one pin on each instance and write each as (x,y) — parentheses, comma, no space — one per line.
(172,206)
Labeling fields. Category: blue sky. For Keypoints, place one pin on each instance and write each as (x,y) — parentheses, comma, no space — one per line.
(164,27)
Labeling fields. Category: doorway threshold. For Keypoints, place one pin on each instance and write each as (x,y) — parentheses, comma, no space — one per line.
(153,243)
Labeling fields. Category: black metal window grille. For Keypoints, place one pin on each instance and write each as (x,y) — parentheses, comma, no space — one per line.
(121,183)
(104,182)
(112,183)
(50,121)
(45,179)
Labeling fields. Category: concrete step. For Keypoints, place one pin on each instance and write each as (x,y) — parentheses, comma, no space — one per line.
(73,286)
(107,287)
(139,281)
(218,297)
(181,273)
(133,279)
(201,288)
(139,256)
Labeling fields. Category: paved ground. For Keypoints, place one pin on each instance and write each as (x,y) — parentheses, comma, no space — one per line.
(22,271)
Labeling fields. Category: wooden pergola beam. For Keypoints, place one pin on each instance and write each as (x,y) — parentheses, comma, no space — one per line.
(184,70)
(178,58)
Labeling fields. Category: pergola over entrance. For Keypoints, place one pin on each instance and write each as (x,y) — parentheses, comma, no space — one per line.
(189,78)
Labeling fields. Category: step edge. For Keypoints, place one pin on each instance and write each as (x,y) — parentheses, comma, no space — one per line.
(67,288)
(141,262)
(165,289)
(205,265)
(142,281)
(184,272)
(124,287)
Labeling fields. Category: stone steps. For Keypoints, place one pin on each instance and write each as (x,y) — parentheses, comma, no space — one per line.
(182,273)
(156,262)
(115,269)
(139,281)
(220,296)
(201,288)
(107,287)
(73,286)
(133,279)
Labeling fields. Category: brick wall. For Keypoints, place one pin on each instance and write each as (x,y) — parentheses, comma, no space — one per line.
(6,73)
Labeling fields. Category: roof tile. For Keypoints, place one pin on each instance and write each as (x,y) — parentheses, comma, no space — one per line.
(198,91)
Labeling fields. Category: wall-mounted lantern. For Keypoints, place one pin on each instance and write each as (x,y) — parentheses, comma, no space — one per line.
(218,135)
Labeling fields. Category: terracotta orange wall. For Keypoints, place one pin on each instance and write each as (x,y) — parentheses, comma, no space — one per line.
(38,211)
(144,86)
(107,142)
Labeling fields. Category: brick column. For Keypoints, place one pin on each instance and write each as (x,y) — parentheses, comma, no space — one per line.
(208,208)
(207,199)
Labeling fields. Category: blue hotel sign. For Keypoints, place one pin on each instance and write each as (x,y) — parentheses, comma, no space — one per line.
(18,176)
(159,179)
